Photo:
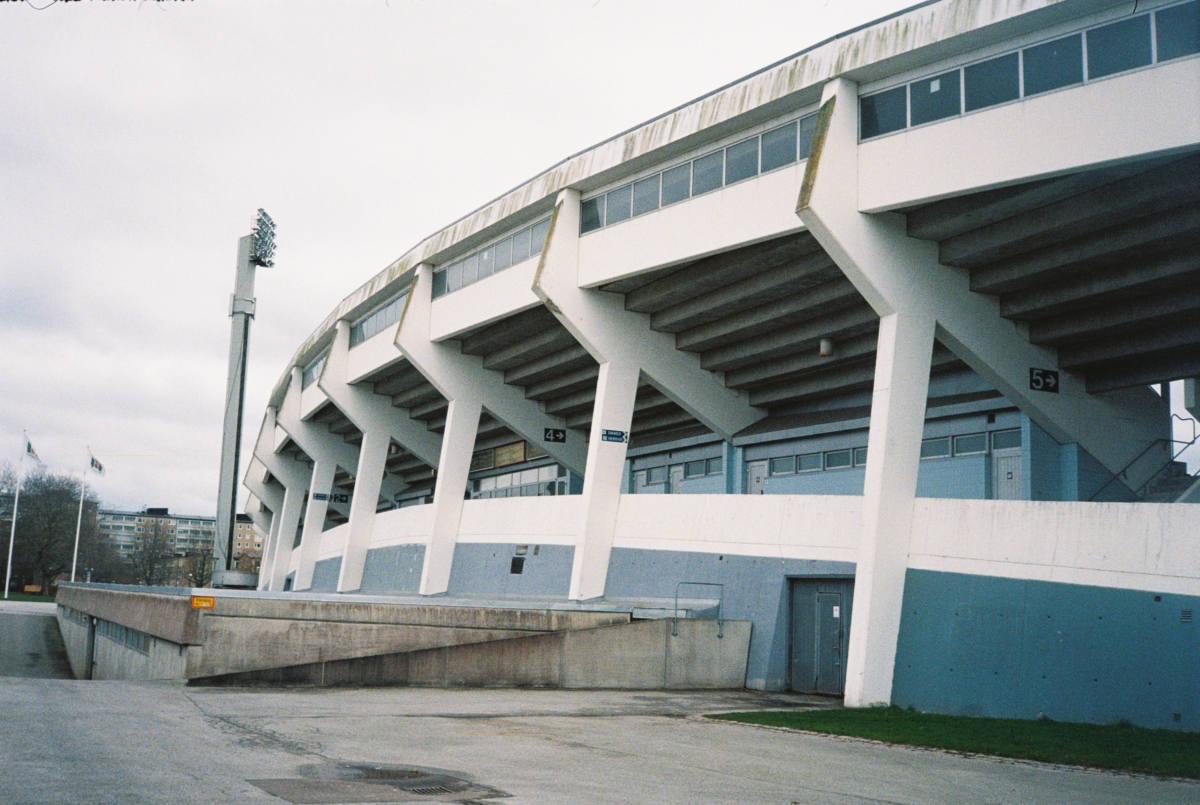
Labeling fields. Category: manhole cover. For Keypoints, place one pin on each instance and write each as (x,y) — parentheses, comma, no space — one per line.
(331,784)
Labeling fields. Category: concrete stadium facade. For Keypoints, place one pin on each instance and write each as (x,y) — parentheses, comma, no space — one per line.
(960,241)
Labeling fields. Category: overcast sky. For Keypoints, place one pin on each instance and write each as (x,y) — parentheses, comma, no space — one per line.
(137,139)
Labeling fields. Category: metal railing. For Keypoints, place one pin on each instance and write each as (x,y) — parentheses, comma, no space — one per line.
(720,603)
(1174,455)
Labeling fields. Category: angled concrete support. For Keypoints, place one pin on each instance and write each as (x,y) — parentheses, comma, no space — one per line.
(327,451)
(295,479)
(625,346)
(380,423)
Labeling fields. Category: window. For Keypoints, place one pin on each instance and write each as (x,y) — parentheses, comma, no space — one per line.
(592,213)
(715,466)
(1006,439)
(311,374)
(1118,47)
(1053,65)
(646,195)
(1178,31)
(991,82)
(837,459)
(936,448)
(497,256)
(377,321)
(656,475)
(510,454)
(483,460)
(969,445)
(783,466)
(779,147)
(618,206)
(811,462)
(860,456)
(741,161)
(708,173)
(694,469)
(934,98)
(883,113)
(676,184)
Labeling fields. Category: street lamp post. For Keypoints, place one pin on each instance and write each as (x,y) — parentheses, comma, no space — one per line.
(255,249)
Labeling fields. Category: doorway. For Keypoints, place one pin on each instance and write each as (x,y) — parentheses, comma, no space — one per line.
(820,634)
(756,477)
(1006,475)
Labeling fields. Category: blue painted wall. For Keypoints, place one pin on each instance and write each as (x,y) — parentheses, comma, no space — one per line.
(1011,648)
(960,477)
(756,590)
(325,575)
(394,569)
(484,569)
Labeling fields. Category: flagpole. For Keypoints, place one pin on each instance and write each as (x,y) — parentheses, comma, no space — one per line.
(78,523)
(12,534)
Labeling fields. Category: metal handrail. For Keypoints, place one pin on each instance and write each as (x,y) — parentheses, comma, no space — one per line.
(720,602)
(1174,455)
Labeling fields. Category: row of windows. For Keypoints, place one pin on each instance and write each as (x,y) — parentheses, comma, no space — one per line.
(819,462)
(312,372)
(970,444)
(504,455)
(491,259)
(73,615)
(1167,33)
(773,149)
(549,480)
(138,641)
(691,469)
(378,321)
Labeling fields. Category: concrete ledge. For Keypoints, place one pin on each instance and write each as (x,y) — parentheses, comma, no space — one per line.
(637,656)
(169,617)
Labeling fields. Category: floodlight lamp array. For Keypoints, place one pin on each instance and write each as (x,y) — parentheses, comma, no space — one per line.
(264,240)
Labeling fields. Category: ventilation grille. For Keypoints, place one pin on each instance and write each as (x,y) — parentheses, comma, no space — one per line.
(1185,616)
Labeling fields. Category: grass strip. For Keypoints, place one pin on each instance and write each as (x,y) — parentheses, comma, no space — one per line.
(1120,747)
(40,599)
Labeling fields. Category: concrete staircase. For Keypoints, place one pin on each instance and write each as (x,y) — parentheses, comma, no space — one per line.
(1170,485)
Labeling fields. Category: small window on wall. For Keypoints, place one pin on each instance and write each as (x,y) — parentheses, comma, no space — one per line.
(1006,439)
(715,466)
(936,448)
(935,98)
(693,469)
(591,214)
(483,460)
(860,456)
(838,459)
(1120,46)
(1053,65)
(1178,31)
(991,82)
(510,454)
(970,445)
(810,462)
(676,184)
(883,113)
(656,475)
(783,466)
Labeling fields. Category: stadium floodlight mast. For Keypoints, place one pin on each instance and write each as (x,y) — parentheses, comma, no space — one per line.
(255,249)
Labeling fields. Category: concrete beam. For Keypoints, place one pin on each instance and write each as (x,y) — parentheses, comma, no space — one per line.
(1131,345)
(860,346)
(295,479)
(1143,371)
(1113,319)
(818,309)
(789,340)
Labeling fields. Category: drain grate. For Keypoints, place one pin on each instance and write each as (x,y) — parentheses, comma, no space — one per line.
(431,789)
(335,784)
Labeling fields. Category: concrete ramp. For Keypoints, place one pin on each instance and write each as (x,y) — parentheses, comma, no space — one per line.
(642,655)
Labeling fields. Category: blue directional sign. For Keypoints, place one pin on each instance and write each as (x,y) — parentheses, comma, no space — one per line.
(320,496)
(615,436)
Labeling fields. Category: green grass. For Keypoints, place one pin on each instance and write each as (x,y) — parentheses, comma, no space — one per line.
(41,599)
(1121,747)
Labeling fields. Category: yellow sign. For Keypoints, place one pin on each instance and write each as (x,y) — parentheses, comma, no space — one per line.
(203,602)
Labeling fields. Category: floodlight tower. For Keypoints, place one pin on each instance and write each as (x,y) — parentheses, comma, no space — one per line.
(255,249)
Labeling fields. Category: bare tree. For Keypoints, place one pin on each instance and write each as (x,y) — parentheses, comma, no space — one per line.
(196,569)
(45,539)
(152,561)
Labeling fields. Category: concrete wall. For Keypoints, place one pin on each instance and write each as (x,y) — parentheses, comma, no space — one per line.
(1011,648)
(112,660)
(484,569)
(394,569)
(640,656)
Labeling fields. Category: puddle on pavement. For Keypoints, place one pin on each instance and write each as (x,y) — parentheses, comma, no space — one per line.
(336,783)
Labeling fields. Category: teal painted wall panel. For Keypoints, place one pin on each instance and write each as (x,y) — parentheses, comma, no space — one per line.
(1011,648)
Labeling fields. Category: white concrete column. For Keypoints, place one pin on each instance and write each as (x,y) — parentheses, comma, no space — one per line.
(889,492)
(294,477)
(616,390)
(380,423)
(321,484)
(458,443)
(626,348)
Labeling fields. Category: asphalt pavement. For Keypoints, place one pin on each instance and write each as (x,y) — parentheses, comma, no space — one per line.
(30,643)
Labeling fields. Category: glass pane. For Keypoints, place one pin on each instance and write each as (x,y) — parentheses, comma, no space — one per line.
(783,466)
(470,271)
(860,456)
(618,205)
(537,236)
(837,459)
(645,195)
(520,246)
(591,214)
(887,111)
(808,125)
(975,443)
(1006,439)
(934,98)
(1178,31)
(504,481)
(487,484)
(676,184)
(503,254)
(547,473)
(714,466)
(656,475)
(708,173)
(693,469)
(741,161)
(487,262)
(779,147)
(1117,47)
(1053,65)
(809,463)
(935,448)
(991,82)
(454,277)
(529,476)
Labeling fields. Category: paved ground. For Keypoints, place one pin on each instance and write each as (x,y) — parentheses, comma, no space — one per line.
(121,742)
(30,643)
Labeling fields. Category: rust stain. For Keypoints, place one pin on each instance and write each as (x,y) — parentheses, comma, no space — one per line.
(824,116)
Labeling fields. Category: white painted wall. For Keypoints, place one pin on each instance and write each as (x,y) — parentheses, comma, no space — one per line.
(484,302)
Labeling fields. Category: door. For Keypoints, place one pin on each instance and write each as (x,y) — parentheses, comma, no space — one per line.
(1006,475)
(676,479)
(820,634)
(756,477)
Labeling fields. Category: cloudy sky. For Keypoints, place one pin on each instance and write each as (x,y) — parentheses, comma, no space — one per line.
(138,138)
